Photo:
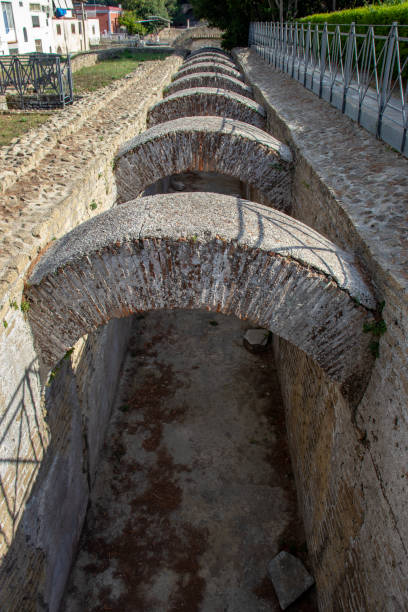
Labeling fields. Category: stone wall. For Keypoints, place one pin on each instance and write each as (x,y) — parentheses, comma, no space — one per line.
(90,58)
(73,417)
(49,445)
(350,465)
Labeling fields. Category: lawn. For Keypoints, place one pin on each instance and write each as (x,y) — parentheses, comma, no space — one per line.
(92,78)
(14,125)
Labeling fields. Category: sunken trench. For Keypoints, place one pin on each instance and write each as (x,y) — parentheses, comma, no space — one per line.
(194,492)
(182,457)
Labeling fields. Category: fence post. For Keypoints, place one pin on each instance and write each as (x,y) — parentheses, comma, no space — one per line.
(323,52)
(386,74)
(348,63)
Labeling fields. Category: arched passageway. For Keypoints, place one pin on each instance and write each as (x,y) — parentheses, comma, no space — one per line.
(209,49)
(207,101)
(206,67)
(209,252)
(209,79)
(210,57)
(212,144)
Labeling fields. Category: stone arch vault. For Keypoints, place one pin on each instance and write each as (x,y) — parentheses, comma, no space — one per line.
(209,79)
(207,101)
(213,144)
(201,250)
(206,67)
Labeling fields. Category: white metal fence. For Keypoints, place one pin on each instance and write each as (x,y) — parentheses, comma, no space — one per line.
(357,69)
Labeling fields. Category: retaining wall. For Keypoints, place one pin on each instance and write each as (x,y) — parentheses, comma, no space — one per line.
(350,465)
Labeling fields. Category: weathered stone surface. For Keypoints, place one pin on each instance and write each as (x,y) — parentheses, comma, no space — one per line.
(289,577)
(207,67)
(350,473)
(256,340)
(207,101)
(210,57)
(203,36)
(50,198)
(212,144)
(45,203)
(200,250)
(209,79)
(208,49)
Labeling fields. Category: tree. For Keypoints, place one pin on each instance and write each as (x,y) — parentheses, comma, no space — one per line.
(129,20)
(234,16)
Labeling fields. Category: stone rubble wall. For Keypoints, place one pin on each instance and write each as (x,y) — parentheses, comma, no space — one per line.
(49,449)
(350,465)
(90,58)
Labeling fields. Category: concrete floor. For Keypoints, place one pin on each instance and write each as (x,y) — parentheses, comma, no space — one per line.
(194,493)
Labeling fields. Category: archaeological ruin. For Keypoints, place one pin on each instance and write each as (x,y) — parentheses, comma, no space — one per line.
(151,458)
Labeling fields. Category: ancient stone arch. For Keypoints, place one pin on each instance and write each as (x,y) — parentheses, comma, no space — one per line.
(209,49)
(210,144)
(205,250)
(209,79)
(210,57)
(207,67)
(207,101)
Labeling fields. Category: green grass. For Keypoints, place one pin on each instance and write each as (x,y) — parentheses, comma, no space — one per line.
(107,71)
(14,125)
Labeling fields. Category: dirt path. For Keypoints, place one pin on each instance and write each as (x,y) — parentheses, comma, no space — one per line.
(194,493)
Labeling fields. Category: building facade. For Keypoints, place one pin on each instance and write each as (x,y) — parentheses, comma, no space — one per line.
(45,27)
(108,16)
(26,27)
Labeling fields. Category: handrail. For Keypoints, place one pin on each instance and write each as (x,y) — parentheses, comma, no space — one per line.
(363,74)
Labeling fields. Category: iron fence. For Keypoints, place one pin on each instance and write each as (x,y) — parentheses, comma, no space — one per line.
(357,69)
(43,76)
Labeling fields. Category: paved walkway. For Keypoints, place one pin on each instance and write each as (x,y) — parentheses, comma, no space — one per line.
(194,493)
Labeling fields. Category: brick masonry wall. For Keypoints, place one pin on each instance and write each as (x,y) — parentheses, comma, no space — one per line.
(73,418)
(350,465)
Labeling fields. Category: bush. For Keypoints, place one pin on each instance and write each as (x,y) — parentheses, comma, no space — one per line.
(368,15)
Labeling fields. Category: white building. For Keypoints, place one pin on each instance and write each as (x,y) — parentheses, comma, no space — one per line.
(72,34)
(26,27)
(72,30)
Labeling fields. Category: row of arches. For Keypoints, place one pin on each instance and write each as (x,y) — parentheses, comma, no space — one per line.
(206,250)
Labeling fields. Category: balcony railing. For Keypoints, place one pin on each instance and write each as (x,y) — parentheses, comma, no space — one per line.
(361,70)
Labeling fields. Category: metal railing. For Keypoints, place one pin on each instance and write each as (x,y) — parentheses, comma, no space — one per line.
(358,70)
(44,75)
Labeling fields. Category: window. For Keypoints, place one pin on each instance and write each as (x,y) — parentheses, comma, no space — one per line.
(38,46)
(20,3)
(25,34)
(93,29)
(13,51)
(35,21)
(35,8)
(80,28)
(46,22)
(7,16)
(73,28)
(58,29)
